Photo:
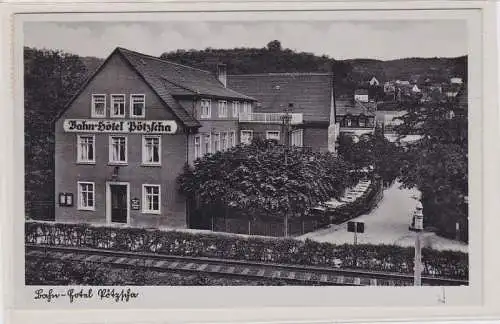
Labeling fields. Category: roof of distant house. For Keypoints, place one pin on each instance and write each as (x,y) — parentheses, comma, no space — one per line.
(310,93)
(361,92)
(355,108)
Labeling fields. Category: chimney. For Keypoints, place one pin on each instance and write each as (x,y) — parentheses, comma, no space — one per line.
(222,74)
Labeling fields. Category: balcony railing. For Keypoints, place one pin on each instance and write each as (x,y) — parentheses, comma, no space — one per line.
(269,118)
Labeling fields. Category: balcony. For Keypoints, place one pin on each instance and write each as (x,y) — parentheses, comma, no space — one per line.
(269,118)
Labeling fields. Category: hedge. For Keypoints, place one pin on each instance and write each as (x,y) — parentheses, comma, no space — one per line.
(389,258)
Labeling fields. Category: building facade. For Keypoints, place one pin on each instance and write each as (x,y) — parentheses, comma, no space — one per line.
(122,141)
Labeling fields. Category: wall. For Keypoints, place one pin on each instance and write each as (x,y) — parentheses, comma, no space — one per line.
(118,78)
(316,138)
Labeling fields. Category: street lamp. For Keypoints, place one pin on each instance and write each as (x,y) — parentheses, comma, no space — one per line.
(419,227)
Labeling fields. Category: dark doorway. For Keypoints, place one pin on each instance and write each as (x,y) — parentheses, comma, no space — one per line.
(118,203)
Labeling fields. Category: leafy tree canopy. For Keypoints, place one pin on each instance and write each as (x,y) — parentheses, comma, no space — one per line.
(255,179)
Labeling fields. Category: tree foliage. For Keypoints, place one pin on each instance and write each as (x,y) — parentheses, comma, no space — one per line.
(50,80)
(372,152)
(437,164)
(255,180)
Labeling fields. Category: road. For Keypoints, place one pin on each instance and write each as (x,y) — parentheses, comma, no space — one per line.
(387,224)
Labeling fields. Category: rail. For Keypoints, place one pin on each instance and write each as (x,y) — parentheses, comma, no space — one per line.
(233,268)
(269,118)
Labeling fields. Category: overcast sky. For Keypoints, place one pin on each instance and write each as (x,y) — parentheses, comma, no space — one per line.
(340,40)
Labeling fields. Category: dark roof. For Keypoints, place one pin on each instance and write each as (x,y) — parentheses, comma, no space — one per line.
(168,80)
(355,108)
(311,93)
(361,91)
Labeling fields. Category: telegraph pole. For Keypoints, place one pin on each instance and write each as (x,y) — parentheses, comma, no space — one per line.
(286,118)
(419,227)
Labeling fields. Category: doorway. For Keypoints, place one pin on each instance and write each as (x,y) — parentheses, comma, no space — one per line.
(117,202)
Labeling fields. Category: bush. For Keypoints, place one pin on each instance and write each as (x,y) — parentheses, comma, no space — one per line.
(285,251)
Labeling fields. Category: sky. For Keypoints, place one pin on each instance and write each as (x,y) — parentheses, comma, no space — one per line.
(340,40)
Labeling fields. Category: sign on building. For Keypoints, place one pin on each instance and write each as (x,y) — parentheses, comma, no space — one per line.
(120,126)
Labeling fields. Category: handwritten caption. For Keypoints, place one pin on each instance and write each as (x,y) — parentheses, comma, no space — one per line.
(76,295)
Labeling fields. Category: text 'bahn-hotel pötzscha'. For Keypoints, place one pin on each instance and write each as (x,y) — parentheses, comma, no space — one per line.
(125,137)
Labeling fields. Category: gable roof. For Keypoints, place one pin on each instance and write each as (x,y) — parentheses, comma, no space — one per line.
(311,93)
(168,80)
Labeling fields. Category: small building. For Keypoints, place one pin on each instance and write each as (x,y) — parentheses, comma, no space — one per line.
(415,89)
(361,95)
(456,80)
(124,138)
(374,82)
(355,118)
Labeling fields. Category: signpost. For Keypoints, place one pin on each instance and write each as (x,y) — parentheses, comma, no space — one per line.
(135,204)
(356,227)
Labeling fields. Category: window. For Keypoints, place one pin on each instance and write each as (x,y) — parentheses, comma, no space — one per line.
(224,142)
(348,121)
(86,195)
(98,105)
(151,150)
(151,199)
(361,122)
(297,137)
(85,149)
(117,105)
(197,147)
(246,136)
(137,105)
(273,135)
(206,109)
(247,108)
(222,109)
(207,144)
(232,139)
(236,109)
(216,142)
(117,149)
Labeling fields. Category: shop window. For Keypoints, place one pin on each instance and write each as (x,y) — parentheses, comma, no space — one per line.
(151,197)
(236,109)
(297,138)
(86,195)
(207,144)
(224,142)
(232,139)
(216,142)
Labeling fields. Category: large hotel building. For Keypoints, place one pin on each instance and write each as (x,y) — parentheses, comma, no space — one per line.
(125,137)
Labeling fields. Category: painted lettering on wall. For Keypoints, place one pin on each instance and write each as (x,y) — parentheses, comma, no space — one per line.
(120,126)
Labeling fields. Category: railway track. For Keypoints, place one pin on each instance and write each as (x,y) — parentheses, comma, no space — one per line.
(292,274)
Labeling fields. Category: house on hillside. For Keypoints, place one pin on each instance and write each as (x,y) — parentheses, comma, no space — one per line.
(456,80)
(124,138)
(415,89)
(374,82)
(355,118)
(308,98)
(361,95)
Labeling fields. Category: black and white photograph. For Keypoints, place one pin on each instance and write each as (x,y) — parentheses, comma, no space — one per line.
(281,163)
(252,153)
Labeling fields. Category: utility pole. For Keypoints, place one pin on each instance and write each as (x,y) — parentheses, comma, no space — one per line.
(286,118)
(419,227)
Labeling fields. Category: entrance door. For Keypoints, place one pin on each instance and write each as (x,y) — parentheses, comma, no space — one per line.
(118,203)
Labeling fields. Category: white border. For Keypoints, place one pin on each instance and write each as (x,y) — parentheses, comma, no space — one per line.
(484,199)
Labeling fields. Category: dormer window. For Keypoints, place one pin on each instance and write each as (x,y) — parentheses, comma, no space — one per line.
(137,105)
(98,106)
(206,110)
(222,109)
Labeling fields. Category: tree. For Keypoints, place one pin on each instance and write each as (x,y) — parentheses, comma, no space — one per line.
(253,181)
(437,164)
(50,80)
(274,45)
